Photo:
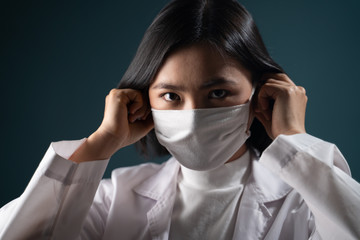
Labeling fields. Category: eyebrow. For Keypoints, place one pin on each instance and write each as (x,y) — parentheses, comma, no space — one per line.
(218,81)
(168,86)
(208,84)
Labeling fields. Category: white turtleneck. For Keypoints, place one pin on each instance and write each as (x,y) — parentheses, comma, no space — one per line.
(206,202)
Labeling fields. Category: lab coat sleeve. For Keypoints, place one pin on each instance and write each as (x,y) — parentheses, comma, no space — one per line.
(318,171)
(56,200)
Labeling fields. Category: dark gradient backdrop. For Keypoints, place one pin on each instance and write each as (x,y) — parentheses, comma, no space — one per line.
(59,59)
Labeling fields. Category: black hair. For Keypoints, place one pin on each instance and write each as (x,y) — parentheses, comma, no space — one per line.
(225,24)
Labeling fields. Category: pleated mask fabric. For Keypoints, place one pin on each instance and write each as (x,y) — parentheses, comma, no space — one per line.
(202,139)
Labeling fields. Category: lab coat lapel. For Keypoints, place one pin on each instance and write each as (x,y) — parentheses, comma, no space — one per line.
(253,216)
(161,188)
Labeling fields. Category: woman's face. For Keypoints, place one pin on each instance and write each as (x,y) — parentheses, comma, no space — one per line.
(198,76)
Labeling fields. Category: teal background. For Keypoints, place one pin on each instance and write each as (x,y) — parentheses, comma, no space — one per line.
(59,59)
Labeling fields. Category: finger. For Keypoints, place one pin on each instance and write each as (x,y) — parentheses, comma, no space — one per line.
(141,128)
(261,118)
(267,114)
(282,77)
(125,97)
(148,111)
(116,102)
(268,93)
(280,81)
(131,99)
(136,101)
(141,114)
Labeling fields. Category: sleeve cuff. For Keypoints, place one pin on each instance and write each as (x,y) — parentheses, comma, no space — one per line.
(56,165)
(284,147)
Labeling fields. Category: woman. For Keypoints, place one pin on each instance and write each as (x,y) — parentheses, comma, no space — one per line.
(203,88)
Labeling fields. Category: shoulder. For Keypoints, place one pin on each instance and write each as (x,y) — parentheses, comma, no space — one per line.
(136,173)
(126,178)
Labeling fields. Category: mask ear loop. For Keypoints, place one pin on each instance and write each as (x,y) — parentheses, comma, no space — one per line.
(251,114)
(252,93)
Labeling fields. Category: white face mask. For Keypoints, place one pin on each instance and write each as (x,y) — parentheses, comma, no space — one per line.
(202,139)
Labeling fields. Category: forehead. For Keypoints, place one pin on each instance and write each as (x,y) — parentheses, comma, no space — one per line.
(199,62)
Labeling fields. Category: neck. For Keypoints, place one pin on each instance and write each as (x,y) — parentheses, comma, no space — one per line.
(238,153)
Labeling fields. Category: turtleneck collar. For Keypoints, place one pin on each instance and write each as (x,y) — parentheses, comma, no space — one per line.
(228,175)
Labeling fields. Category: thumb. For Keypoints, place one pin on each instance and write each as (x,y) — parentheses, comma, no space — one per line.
(142,127)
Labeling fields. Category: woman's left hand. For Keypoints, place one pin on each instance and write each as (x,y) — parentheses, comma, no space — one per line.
(281,105)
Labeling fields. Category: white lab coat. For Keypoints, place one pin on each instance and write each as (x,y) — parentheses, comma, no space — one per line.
(298,189)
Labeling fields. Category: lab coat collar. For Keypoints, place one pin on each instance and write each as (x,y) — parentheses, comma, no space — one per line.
(162,184)
(160,187)
(268,186)
(262,187)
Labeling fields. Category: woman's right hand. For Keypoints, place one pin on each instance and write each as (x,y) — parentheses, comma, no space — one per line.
(126,119)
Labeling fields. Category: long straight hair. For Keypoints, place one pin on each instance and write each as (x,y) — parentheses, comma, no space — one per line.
(225,24)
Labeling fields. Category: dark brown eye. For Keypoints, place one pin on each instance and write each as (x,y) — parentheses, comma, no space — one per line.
(170,97)
(218,93)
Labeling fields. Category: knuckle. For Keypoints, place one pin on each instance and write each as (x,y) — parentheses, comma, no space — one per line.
(113,91)
(283,76)
(290,90)
(117,94)
(124,95)
(121,95)
(301,89)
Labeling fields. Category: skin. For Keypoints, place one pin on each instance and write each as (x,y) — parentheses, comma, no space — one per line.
(197,76)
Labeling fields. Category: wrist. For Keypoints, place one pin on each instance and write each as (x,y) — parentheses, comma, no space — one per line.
(104,144)
(290,132)
(98,146)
